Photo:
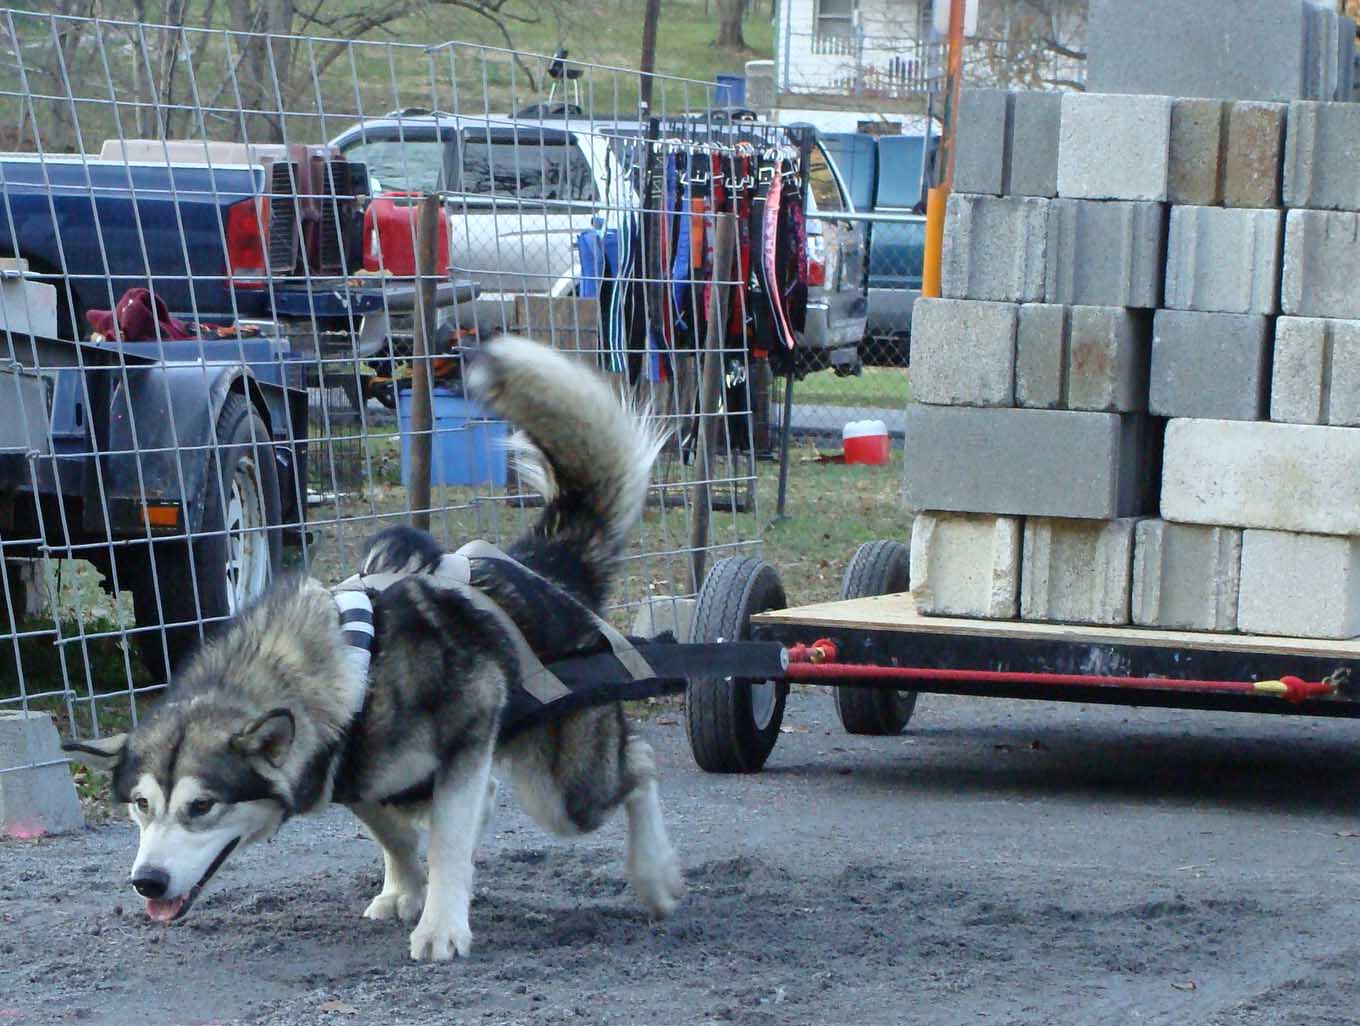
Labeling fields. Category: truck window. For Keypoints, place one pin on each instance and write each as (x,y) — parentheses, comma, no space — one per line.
(394,164)
(826,191)
(526,170)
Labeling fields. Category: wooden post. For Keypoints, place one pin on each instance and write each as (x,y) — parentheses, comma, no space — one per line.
(422,345)
(710,391)
(647,65)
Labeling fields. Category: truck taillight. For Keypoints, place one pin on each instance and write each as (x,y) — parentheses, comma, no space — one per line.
(816,261)
(248,243)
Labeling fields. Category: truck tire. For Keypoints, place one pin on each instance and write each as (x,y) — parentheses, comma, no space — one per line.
(236,548)
(733,724)
(877,568)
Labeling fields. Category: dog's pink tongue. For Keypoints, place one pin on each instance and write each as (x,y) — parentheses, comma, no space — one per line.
(163,911)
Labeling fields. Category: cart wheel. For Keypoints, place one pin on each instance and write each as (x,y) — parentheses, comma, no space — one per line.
(733,723)
(877,568)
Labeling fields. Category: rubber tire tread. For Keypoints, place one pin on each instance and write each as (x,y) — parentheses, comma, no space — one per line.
(877,568)
(722,732)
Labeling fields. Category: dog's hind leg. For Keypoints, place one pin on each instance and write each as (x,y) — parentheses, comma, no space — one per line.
(403,890)
(653,868)
(460,793)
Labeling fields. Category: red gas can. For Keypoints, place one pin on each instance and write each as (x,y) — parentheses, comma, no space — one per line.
(390,235)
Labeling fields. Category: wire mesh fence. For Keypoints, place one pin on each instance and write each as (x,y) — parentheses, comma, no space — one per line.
(218,318)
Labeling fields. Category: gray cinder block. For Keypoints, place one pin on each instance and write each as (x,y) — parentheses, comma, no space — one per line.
(1029,462)
(1186,577)
(37,795)
(995,248)
(1253,159)
(1114,147)
(1321,264)
(1077,571)
(1315,375)
(980,161)
(963,352)
(1277,477)
(1041,348)
(1256,51)
(662,613)
(1198,138)
(965,565)
(1035,120)
(1322,152)
(1300,585)
(1223,261)
(1105,253)
(1210,365)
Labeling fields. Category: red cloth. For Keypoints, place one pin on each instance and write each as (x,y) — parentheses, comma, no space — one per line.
(136,320)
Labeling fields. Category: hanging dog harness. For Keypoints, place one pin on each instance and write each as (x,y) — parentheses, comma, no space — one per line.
(614,669)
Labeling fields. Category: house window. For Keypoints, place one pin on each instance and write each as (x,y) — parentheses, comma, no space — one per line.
(836,19)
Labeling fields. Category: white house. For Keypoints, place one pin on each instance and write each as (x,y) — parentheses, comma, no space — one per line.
(873,49)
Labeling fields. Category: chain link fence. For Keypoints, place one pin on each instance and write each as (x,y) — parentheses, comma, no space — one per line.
(215,324)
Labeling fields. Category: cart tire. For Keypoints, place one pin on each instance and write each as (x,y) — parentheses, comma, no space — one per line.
(734,723)
(236,551)
(877,568)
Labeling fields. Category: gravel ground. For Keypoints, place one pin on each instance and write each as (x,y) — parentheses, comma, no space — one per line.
(1004,862)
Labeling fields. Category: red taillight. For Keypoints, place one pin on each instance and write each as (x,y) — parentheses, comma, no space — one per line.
(248,243)
(816,272)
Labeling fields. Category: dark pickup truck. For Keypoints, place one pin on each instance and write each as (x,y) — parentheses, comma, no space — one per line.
(173,467)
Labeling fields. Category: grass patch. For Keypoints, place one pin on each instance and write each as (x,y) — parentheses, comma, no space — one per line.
(886,387)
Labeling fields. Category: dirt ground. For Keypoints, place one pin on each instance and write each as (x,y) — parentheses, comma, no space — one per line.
(1004,862)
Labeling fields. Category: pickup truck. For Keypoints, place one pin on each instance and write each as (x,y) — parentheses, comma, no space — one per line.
(897,247)
(528,186)
(120,449)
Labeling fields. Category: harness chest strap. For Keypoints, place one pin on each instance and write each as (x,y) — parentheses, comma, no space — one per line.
(455,572)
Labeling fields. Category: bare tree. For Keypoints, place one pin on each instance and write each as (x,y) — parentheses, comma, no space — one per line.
(730,14)
(1030,44)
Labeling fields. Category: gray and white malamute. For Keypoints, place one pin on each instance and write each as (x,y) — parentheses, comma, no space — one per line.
(272,719)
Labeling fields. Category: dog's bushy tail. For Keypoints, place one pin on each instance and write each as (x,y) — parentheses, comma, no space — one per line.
(579,443)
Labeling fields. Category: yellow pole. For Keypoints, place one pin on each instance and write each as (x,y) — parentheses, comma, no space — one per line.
(938,197)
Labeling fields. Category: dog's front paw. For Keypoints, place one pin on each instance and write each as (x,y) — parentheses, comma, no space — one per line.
(438,938)
(659,883)
(403,905)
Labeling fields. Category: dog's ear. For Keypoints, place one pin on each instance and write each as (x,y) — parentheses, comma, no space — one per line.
(268,736)
(101,754)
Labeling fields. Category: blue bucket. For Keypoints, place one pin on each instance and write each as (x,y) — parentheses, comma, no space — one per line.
(468,448)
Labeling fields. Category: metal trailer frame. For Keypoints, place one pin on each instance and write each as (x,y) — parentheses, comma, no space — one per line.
(877,652)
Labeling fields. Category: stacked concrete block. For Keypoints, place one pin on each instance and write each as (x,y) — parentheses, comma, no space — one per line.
(1223,261)
(1321,264)
(37,795)
(1186,577)
(1077,571)
(963,352)
(1028,462)
(1090,358)
(995,248)
(1111,347)
(1105,253)
(1008,143)
(1302,585)
(1315,378)
(1277,477)
(1114,147)
(1210,365)
(1256,50)
(966,565)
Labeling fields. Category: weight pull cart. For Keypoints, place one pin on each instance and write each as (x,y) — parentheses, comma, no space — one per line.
(878,653)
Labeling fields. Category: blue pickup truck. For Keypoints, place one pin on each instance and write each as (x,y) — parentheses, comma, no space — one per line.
(889,175)
(185,456)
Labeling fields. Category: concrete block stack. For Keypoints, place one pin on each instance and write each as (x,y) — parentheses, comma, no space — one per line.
(1137,400)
